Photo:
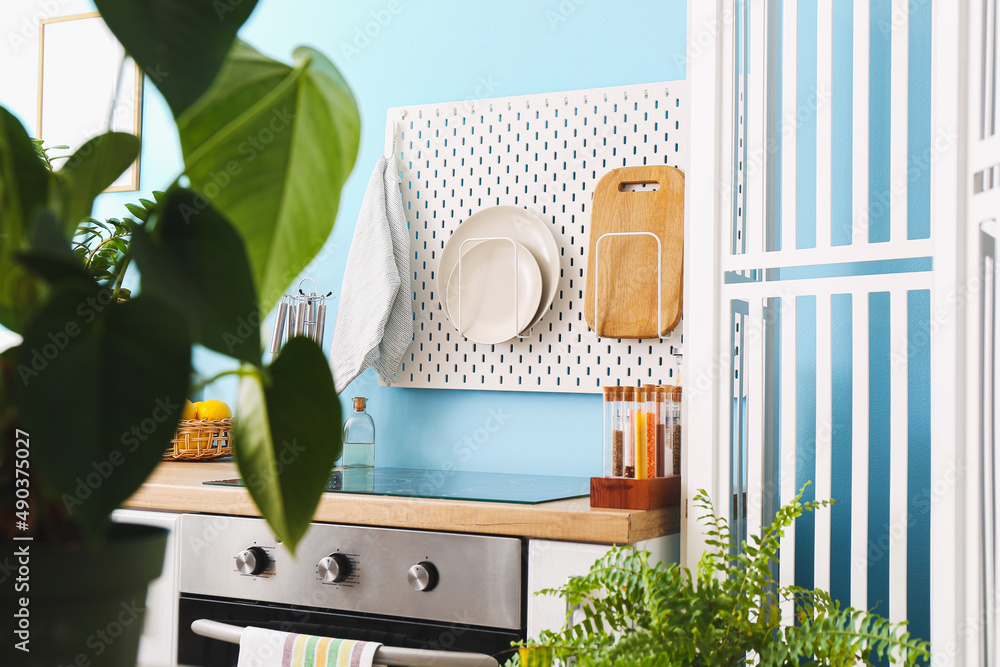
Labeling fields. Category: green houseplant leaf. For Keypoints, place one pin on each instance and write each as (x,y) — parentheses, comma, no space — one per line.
(179,44)
(105,363)
(288,436)
(24,189)
(250,147)
(89,171)
(94,448)
(191,257)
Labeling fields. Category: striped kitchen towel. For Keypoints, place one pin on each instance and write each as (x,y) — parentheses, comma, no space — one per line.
(374,324)
(271,648)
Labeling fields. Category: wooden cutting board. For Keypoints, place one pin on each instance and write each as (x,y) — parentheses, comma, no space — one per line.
(628,264)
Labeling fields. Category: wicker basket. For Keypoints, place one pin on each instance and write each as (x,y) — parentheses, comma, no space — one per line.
(201,439)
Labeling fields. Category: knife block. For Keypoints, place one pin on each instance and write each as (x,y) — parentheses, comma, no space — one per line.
(635,494)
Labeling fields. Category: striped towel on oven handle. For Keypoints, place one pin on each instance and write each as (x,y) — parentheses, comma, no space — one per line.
(272,648)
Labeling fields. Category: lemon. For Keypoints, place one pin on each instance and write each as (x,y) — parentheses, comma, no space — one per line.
(190,410)
(213,409)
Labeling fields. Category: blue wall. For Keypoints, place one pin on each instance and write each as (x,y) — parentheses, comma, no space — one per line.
(458,50)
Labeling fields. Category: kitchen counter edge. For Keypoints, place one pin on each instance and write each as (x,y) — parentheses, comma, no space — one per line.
(178,486)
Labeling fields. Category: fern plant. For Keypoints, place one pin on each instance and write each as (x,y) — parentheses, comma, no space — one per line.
(635,612)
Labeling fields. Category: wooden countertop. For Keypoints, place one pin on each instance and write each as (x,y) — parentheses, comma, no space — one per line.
(178,486)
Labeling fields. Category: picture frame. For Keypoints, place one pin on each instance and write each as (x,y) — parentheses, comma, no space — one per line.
(87,85)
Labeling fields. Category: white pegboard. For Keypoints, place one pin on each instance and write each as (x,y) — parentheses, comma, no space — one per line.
(544,153)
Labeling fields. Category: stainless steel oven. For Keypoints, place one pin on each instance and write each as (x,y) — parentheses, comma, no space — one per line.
(405,588)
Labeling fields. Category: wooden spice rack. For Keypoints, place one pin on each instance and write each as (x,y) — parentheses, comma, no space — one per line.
(635,494)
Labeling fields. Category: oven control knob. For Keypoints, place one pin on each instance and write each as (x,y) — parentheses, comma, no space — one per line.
(252,561)
(423,576)
(334,568)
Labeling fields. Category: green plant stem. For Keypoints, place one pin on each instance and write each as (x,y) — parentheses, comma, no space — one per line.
(239,372)
(729,626)
(90,257)
(121,277)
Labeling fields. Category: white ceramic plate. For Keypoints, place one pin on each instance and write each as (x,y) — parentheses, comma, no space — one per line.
(481,304)
(518,224)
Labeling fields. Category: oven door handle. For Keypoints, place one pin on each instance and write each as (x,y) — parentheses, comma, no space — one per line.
(385,655)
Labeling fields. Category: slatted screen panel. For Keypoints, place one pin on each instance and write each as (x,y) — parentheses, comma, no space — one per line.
(544,153)
(828,276)
(983,227)
(989,457)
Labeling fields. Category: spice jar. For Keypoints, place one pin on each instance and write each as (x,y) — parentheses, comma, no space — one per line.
(675,428)
(628,431)
(614,437)
(639,439)
(664,455)
(651,419)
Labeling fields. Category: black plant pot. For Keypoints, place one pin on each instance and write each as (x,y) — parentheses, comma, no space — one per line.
(84,608)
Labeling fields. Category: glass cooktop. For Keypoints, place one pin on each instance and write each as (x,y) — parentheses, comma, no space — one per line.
(451,485)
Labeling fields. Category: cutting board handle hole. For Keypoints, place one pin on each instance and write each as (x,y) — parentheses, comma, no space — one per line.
(639,186)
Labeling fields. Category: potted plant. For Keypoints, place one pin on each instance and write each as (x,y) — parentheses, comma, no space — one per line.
(638,613)
(91,397)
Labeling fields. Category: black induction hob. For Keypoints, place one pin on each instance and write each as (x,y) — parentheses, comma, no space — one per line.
(451,485)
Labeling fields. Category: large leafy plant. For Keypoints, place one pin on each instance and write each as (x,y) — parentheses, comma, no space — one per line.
(635,612)
(97,382)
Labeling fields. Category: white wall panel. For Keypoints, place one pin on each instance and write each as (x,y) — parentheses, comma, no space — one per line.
(824,123)
(824,437)
(899,135)
(898,454)
(788,441)
(859,451)
(789,114)
(859,122)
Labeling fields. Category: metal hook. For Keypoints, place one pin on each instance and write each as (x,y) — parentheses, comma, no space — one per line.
(299,286)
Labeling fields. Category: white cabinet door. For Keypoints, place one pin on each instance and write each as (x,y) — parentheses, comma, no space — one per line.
(158,646)
(552,563)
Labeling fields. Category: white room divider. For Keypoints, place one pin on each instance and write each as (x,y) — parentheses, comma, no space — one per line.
(972,62)
(852,163)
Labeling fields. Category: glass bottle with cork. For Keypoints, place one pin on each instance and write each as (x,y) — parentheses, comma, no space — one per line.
(359,437)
